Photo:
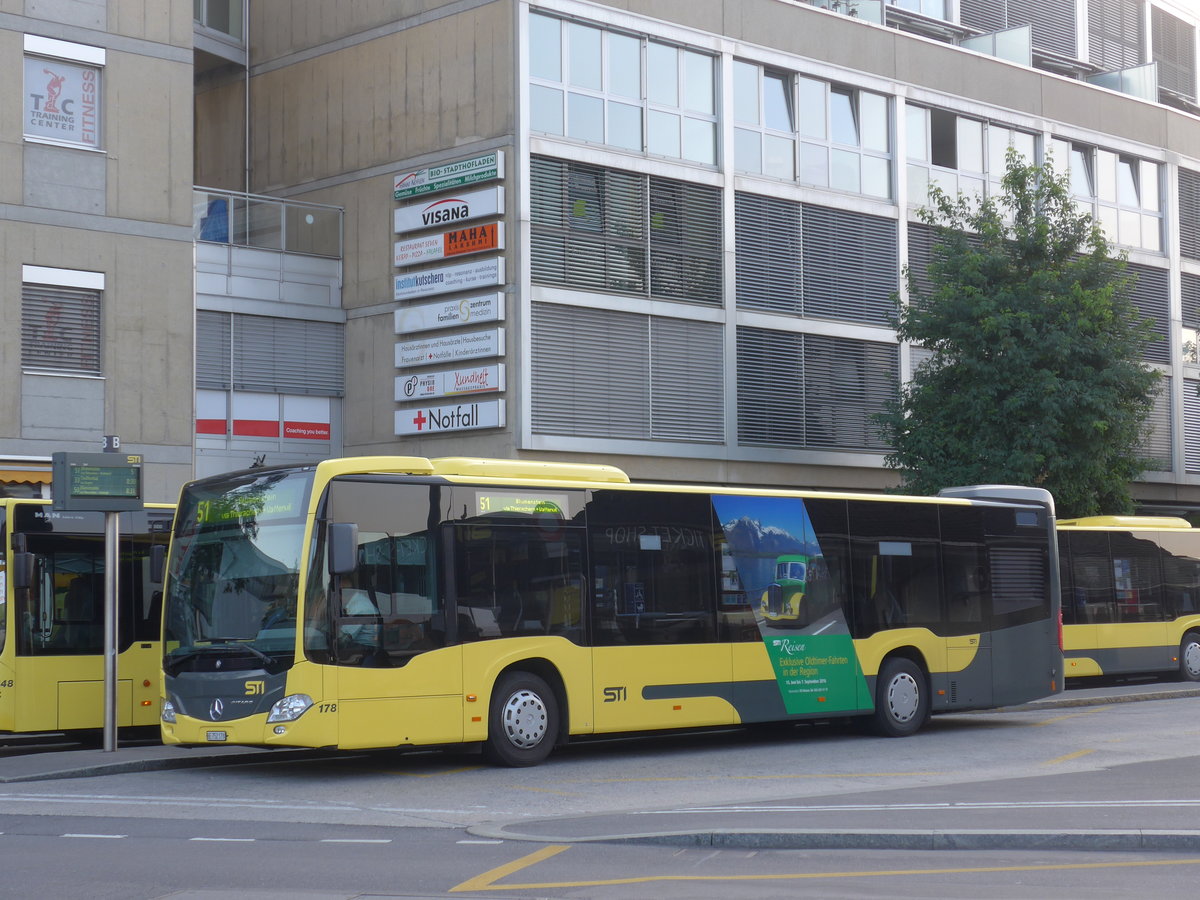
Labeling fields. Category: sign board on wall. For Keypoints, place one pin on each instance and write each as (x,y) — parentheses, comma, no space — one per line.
(489,167)
(450,210)
(455,383)
(448,313)
(462,417)
(450,348)
(448,244)
(462,277)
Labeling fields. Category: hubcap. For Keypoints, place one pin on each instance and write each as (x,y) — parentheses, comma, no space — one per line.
(903,697)
(524,719)
(1191,658)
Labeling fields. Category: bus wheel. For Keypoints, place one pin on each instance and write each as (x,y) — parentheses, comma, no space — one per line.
(1189,657)
(523,721)
(901,698)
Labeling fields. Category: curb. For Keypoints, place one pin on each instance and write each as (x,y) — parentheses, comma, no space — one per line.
(162,763)
(886,839)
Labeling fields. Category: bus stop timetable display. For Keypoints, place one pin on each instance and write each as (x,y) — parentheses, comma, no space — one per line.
(108,482)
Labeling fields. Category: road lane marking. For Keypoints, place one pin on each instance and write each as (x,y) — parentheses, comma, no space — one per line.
(1067,757)
(487,881)
(880,807)
(104,836)
(356,840)
(224,840)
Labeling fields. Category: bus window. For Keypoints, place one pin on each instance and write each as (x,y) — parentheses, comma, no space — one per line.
(1181,573)
(654,564)
(1091,579)
(894,566)
(1137,578)
(965,569)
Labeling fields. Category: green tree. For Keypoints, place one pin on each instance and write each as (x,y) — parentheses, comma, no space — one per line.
(1036,375)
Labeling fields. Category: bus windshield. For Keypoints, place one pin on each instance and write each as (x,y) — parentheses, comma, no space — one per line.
(234,572)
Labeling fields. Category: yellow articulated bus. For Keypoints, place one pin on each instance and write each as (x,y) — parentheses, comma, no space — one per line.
(397,601)
(1131,595)
(52,577)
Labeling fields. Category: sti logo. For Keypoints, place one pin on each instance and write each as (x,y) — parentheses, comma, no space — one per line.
(255,687)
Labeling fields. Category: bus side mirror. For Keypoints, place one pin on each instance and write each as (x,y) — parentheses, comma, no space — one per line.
(158,563)
(343,547)
(22,570)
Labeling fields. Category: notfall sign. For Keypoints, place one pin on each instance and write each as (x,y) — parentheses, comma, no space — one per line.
(459,417)
(447,244)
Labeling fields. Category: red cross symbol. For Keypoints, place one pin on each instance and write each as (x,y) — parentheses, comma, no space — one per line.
(419,420)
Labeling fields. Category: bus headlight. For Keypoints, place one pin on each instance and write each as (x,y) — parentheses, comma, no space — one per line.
(168,712)
(290,708)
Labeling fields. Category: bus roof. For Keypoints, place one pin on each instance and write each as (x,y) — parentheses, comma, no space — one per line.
(1126,522)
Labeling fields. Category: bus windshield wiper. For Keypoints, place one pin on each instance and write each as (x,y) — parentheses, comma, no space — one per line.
(241,644)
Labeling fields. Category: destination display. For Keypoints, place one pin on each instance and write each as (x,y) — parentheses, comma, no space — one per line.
(108,482)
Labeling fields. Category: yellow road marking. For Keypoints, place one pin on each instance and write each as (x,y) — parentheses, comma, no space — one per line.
(428,774)
(1067,757)
(538,790)
(487,881)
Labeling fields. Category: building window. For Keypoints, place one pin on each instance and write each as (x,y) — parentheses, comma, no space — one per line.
(934,8)
(606,374)
(1120,191)
(810,391)
(765,117)
(62,92)
(603,229)
(626,91)
(60,329)
(1174,49)
(1115,33)
(958,153)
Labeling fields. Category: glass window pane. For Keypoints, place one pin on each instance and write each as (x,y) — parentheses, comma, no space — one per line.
(918,185)
(625,126)
(1026,145)
(812,107)
(662,74)
(584,55)
(844,171)
(698,82)
(545,48)
(700,141)
(1152,233)
(778,156)
(1129,226)
(777,106)
(843,127)
(876,176)
(1149,185)
(1127,187)
(747,150)
(997,145)
(873,111)
(1106,218)
(625,66)
(814,164)
(745,93)
(970,187)
(1081,173)
(545,109)
(663,137)
(585,118)
(1106,176)
(916,120)
(970,145)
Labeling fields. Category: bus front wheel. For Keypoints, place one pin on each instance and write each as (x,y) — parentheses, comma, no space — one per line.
(1189,657)
(522,722)
(901,698)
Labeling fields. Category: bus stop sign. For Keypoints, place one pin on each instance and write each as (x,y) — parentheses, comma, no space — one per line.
(104,482)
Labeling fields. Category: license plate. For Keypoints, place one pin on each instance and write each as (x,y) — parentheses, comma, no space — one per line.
(215,736)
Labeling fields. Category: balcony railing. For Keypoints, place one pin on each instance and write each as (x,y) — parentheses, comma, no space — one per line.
(248,220)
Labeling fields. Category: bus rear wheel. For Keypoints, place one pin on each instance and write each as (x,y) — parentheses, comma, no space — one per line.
(901,698)
(522,721)
(1189,657)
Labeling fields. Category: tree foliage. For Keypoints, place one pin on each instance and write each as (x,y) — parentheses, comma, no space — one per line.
(1036,374)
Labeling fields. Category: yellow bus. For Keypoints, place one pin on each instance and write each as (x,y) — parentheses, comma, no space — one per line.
(1131,595)
(52,575)
(403,602)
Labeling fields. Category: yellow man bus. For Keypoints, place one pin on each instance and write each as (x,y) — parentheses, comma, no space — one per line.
(52,580)
(400,601)
(1131,595)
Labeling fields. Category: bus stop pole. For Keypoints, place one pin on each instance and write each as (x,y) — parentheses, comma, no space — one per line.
(111,566)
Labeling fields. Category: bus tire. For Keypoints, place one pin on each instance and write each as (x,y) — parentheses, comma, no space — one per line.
(522,721)
(901,698)
(1189,657)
